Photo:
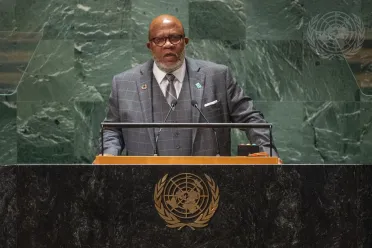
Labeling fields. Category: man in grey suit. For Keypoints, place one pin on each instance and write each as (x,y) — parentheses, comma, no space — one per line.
(146,92)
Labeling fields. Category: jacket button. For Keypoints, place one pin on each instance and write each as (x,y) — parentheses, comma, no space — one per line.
(178,146)
(176,134)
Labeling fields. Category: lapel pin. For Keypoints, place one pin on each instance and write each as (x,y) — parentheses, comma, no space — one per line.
(198,85)
(144,86)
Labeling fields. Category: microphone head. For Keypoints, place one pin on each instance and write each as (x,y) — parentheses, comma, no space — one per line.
(194,103)
(173,103)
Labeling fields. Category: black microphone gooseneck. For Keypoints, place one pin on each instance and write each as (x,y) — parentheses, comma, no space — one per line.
(172,105)
(195,104)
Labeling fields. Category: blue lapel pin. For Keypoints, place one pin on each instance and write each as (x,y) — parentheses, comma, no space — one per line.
(198,85)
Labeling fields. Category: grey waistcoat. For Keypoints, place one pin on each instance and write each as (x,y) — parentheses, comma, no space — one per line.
(173,141)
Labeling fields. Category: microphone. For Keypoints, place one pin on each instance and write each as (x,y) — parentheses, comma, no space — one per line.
(195,104)
(172,105)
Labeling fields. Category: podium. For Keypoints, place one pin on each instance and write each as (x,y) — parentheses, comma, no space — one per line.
(127,202)
(184,202)
(184,160)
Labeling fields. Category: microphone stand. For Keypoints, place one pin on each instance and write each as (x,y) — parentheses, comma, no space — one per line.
(173,104)
(195,104)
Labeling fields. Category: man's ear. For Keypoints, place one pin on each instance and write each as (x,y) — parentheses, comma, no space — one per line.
(186,40)
(148,45)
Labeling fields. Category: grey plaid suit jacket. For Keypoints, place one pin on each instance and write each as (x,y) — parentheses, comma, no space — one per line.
(130,101)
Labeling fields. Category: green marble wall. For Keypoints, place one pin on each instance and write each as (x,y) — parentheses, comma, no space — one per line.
(57,59)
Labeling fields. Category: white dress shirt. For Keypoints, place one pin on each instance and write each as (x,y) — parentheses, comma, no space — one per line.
(163,82)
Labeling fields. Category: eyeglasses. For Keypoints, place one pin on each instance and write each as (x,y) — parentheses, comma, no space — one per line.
(174,39)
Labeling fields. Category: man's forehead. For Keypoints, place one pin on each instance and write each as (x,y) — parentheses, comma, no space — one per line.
(171,28)
(165,25)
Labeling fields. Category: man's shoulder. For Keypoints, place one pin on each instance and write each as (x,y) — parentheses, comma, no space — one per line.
(132,73)
(207,65)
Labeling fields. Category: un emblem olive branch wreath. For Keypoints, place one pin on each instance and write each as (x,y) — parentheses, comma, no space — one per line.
(202,220)
(171,219)
(174,222)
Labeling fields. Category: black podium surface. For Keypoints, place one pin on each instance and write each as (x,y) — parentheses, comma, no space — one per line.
(113,206)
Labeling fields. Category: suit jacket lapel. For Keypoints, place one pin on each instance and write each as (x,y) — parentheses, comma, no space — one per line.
(197,81)
(144,91)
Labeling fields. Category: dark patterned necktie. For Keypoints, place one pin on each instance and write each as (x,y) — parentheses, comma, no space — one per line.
(170,93)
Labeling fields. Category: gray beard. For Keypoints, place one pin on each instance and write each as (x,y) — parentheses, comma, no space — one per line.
(168,69)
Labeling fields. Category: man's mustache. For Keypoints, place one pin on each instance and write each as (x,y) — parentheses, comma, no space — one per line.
(172,54)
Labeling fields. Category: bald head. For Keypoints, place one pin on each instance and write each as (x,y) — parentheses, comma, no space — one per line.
(167,42)
(164,20)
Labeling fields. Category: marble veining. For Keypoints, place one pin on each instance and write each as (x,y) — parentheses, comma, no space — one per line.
(57,60)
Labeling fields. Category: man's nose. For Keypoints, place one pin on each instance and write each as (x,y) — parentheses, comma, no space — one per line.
(168,43)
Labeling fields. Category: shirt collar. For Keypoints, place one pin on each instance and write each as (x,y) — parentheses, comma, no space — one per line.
(179,73)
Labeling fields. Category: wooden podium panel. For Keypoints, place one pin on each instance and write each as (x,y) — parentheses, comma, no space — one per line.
(184,160)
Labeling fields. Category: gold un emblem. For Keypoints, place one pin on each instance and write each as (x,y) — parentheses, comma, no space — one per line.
(186,200)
